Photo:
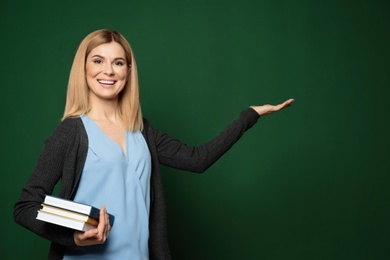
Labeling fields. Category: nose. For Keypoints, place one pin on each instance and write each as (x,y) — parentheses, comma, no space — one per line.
(108,70)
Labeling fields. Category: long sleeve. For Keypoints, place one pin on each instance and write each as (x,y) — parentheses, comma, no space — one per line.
(173,153)
(56,158)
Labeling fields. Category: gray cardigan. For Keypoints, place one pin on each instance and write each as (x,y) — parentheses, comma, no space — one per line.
(63,157)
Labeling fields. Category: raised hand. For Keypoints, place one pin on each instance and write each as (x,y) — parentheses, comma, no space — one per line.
(268,109)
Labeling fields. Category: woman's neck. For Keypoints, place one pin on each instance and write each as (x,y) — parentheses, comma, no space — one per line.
(104,109)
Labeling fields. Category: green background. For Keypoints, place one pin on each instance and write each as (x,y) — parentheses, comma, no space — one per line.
(311,182)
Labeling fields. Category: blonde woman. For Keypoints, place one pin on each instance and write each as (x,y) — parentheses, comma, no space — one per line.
(106,154)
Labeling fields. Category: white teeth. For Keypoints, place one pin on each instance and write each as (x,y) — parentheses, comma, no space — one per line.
(106,82)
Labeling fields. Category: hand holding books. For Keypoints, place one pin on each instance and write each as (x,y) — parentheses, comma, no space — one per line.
(92,224)
(70,214)
(95,236)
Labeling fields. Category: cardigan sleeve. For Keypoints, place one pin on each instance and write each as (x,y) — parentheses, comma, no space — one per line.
(173,153)
(46,174)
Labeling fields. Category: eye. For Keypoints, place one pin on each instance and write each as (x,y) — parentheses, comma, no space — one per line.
(97,61)
(119,63)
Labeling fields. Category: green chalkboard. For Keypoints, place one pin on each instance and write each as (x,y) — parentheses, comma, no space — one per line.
(310,182)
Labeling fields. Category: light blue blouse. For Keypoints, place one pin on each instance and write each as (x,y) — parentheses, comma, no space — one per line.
(122,183)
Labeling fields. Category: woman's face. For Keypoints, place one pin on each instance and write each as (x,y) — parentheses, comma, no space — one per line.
(106,71)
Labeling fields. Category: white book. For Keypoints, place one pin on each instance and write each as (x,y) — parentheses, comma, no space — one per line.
(63,221)
(72,206)
(69,214)
(77,207)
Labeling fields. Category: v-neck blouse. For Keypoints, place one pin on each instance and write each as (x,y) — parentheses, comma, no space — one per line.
(122,183)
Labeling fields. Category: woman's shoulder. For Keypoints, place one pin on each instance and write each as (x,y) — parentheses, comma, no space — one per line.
(148,130)
(71,123)
(69,128)
(147,125)
(71,120)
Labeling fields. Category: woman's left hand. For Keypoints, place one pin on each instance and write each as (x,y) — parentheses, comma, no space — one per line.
(95,236)
(268,109)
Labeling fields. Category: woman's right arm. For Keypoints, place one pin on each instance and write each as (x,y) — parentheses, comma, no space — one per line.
(45,176)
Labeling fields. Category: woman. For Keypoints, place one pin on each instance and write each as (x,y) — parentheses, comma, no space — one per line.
(105,153)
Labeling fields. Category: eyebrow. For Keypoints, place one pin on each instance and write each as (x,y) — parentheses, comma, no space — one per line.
(98,56)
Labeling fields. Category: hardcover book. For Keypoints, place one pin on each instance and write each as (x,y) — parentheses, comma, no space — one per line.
(75,207)
(70,214)
(65,222)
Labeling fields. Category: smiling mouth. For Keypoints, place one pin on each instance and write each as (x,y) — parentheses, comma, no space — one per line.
(107,82)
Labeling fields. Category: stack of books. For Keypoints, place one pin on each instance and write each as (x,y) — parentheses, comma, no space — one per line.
(70,214)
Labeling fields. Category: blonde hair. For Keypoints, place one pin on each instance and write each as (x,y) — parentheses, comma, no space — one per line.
(77,102)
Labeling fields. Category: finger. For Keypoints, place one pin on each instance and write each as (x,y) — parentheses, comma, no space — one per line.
(288,102)
(88,234)
(285,104)
(278,107)
(107,220)
(107,229)
(102,218)
(102,221)
(82,238)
